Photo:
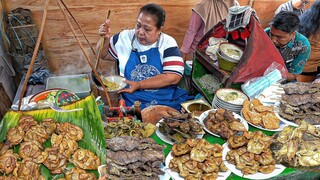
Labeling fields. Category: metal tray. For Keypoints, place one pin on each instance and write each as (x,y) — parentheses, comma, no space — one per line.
(78,84)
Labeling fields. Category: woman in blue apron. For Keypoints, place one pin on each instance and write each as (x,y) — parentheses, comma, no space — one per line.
(149,60)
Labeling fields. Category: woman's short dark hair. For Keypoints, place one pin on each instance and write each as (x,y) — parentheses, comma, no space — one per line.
(285,21)
(310,20)
(157,10)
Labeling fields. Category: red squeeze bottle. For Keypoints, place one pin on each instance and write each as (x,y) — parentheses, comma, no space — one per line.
(123,104)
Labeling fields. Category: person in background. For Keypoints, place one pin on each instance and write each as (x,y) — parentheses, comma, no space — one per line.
(296,6)
(149,60)
(310,27)
(204,16)
(293,46)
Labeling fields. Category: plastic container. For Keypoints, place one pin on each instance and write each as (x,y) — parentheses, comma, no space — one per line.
(78,84)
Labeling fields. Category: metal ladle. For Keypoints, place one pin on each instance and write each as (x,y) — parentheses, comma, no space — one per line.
(95,80)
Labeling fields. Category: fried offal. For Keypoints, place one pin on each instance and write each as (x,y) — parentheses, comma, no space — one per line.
(56,162)
(15,136)
(8,161)
(85,159)
(79,174)
(71,130)
(27,170)
(37,133)
(66,145)
(32,150)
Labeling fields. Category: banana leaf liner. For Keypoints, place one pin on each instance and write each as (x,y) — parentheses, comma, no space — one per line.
(88,119)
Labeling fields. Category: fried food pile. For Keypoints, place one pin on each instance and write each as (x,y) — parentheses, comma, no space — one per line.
(127,127)
(133,158)
(108,84)
(301,101)
(297,146)
(197,159)
(178,129)
(31,135)
(258,114)
(250,153)
(223,123)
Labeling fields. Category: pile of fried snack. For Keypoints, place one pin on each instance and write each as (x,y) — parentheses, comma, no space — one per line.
(179,129)
(133,158)
(128,127)
(301,101)
(31,135)
(250,153)
(223,123)
(258,114)
(298,146)
(197,159)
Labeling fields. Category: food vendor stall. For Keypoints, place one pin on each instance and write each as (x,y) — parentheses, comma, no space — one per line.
(176,138)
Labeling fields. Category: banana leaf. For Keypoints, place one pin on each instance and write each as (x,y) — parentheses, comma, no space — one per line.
(89,119)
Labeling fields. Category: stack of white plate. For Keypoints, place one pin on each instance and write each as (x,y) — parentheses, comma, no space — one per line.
(235,105)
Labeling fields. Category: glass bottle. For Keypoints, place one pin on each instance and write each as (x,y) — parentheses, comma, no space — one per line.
(137,110)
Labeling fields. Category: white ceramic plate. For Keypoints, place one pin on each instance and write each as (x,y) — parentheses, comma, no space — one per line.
(205,114)
(286,121)
(281,124)
(175,175)
(278,169)
(167,139)
(221,94)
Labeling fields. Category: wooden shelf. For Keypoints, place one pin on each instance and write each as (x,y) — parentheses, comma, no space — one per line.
(208,64)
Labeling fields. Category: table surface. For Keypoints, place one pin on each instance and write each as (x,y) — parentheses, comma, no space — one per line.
(288,173)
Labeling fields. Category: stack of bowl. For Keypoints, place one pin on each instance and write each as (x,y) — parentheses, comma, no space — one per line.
(229,56)
(229,99)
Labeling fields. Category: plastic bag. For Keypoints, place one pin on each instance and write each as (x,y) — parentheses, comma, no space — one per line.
(273,74)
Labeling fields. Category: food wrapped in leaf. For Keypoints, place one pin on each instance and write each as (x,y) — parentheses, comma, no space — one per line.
(85,159)
(27,169)
(32,150)
(79,174)
(15,135)
(71,130)
(8,161)
(64,143)
(56,162)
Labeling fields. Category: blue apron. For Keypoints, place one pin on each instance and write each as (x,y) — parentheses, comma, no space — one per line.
(144,65)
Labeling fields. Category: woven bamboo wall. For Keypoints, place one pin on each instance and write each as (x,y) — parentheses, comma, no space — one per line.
(63,53)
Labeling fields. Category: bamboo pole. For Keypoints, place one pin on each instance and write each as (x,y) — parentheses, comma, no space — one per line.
(82,31)
(85,53)
(35,52)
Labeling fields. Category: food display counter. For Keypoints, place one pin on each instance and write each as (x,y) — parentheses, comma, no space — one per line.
(288,173)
